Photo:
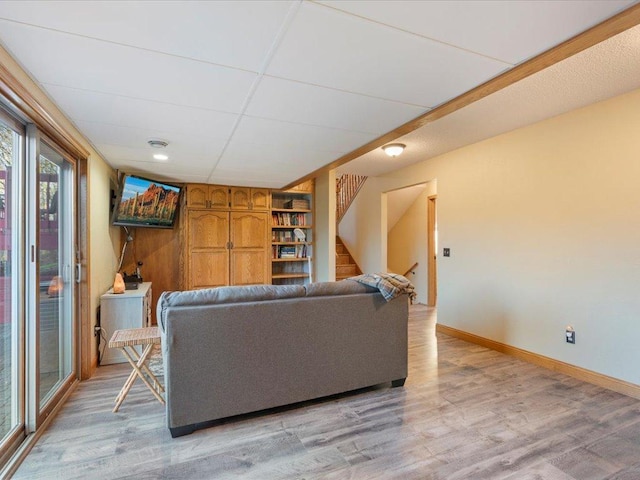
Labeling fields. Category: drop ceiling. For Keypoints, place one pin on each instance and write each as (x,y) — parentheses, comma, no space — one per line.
(263,93)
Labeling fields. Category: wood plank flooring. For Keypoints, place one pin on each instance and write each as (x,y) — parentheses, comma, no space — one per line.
(465,413)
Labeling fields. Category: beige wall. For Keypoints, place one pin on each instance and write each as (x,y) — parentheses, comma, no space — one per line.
(543,228)
(325,227)
(363,228)
(104,240)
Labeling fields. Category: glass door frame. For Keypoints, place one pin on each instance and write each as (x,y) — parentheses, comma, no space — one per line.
(18,344)
(36,414)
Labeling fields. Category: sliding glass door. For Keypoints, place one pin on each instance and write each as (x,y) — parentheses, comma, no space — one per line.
(38,297)
(12,414)
(55,283)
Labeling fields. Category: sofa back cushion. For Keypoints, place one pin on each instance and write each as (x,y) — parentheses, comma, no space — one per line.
(233,294)
(343,287)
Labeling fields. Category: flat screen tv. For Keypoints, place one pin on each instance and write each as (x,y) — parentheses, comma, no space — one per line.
(142,202)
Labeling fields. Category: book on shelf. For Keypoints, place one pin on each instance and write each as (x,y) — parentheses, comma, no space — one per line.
(288,252)
(288,219)
(284,236)
(297,204)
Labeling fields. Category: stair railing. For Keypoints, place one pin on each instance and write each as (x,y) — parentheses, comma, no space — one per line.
(411,270)
(347,187)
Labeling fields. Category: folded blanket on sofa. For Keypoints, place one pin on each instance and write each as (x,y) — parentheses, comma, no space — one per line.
(391,285)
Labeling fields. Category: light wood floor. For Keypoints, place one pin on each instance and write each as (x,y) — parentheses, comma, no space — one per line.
(465,413)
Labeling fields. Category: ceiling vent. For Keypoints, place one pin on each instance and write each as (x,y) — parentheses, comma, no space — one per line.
(157,143)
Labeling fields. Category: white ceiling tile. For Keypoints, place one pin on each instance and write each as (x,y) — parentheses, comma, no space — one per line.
(83,105)
(298,102)
(237,34)
(189,178)
(270,162)
(77,62)
(333,49)
(169,173)
(122,156)
(254,178)
(297,138)
(184,144)
(508,30)
(269,158)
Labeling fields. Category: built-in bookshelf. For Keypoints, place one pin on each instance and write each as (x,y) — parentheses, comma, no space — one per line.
(292,235)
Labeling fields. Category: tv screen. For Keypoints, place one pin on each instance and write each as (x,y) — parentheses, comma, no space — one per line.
(146,203)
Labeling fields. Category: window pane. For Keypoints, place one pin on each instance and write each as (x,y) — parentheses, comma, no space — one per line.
(54,254)
(9,327)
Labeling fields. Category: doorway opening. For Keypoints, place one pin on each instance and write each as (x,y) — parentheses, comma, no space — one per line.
(411,232)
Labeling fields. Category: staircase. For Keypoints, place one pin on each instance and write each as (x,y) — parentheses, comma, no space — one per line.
(345,265)
(347,187)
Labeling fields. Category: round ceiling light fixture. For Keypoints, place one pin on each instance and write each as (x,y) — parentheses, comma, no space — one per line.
(394,149)
(157,143)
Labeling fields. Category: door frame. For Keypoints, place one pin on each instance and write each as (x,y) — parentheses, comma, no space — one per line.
(432,245)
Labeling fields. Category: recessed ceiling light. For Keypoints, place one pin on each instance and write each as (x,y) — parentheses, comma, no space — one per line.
(160,156)
(394,149)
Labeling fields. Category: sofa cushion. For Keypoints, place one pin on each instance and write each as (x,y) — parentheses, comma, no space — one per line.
(342,287)
(233,294)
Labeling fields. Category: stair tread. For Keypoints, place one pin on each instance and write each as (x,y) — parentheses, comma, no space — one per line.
(346,267)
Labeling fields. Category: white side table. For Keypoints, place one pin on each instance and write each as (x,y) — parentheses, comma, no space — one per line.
(118,311)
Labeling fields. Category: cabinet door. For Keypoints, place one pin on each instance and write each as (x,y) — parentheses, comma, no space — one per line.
(250,198)
(197,196)
(218,196)
(250,250)
(207,196)
(260,199)
(208,253)
(240,198)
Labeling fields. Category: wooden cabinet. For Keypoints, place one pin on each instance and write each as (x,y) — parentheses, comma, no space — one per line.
(243,198)
(249,242)
(207,249)
(227,248)
(207,196)
(292,235)
(226,236)
(131,309)
(224,197)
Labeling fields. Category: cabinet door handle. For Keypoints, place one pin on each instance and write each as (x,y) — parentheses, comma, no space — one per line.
(231,245)
(78,273)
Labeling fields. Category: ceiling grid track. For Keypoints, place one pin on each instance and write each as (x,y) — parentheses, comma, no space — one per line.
(293,10)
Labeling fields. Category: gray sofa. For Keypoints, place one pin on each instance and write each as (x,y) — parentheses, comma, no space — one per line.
(234,350)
